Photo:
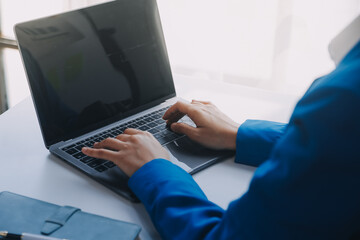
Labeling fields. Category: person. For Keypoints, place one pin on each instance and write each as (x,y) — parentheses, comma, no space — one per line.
(307,182)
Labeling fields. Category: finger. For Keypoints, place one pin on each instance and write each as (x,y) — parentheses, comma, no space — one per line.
(123,137)
(176,117)
(179,108)
(132,131)
(186,129)
(100,153)
(110,143)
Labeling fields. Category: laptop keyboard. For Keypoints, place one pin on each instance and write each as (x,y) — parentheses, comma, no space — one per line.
(151,122)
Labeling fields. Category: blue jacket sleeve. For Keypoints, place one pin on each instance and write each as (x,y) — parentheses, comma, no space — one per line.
(176,204)
(308,188)
(255,140)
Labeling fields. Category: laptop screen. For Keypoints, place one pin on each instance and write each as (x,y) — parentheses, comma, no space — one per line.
(93,66)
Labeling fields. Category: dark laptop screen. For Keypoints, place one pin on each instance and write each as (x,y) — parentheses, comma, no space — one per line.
(93,66)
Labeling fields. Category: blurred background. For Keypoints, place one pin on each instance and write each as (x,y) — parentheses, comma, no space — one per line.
(279,45)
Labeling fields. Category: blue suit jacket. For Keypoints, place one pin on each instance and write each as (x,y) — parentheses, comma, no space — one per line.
(307,185)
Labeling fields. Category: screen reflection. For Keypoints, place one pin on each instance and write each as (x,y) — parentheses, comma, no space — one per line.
(92,66)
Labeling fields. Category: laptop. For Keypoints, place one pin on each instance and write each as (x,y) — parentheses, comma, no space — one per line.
(96,71)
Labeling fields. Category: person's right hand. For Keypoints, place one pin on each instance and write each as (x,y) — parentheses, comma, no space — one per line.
(213,128)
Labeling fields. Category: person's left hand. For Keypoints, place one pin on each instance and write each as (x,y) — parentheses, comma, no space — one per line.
(129,151)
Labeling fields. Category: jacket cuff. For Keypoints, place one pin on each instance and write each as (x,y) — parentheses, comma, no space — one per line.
(255,140)
(149,181)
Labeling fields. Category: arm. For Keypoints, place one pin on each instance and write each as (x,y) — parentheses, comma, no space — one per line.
(178,207)
(305,190)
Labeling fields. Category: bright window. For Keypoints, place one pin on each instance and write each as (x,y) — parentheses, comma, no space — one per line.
(273,44)
(279,45)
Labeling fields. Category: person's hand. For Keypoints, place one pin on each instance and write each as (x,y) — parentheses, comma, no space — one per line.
(213,128)
(129,151)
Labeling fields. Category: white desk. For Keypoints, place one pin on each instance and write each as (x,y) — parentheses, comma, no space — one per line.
(27,168)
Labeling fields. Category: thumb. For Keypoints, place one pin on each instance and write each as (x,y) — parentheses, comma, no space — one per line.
(184,128)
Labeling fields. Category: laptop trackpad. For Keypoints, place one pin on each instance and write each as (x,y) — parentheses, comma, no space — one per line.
(190,153)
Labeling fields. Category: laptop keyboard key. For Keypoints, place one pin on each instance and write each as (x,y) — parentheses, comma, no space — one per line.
(133,125)
(166,132)
(79,147)
(141,122)
(71,146)
(171,137)
(153,131)
(144,128)
(96,163)
(160,121)
(161,127)
(152,124)
(101,168)
(79,155)
(148,119)
(71,151)
(158,135)
(110,164)
(162,140)
(86,159)
(88,144)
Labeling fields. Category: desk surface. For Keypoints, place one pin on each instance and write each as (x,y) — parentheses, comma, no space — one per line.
(28,168)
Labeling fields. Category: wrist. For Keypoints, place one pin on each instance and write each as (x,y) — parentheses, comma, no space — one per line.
(231,137)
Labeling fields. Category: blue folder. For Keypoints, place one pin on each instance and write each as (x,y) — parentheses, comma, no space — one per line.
(20,214)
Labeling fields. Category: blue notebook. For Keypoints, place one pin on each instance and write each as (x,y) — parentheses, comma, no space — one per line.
(20,214)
